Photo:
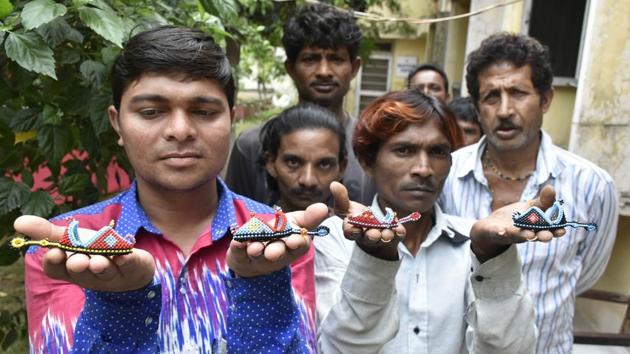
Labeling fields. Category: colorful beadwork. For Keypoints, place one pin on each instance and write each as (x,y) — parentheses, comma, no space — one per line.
(368,219)
(105,241)
(536,219)
(256,229)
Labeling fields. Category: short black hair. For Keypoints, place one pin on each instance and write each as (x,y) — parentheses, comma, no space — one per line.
(428,67)
(322,26)
(172,50)
(464,109)
(302,116)
(515,48)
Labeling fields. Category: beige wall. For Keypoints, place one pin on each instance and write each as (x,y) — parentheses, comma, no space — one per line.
(557,121)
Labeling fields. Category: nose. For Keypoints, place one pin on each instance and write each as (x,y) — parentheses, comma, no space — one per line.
(323,68)
(180,127)
(505,106)
(307,178)
(422,165)
(425,90)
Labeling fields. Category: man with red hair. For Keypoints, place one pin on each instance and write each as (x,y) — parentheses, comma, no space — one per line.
(449,286)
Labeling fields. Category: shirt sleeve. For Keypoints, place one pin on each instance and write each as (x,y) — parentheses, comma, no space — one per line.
(263,315)
(597,247)
(500,315)
(356,299)
(121,322)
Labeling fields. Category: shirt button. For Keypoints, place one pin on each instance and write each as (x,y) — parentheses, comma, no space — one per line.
(229,283)
(416,330)
(478,278)
(182,290)
(148,321)
(150,294)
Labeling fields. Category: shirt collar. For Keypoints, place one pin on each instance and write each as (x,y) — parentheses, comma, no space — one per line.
(133,217)
(442,225)
(546,161)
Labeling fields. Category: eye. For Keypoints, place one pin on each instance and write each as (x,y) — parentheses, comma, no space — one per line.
(436,88)
(204,113)
(440,152)
(150,113)
(403,151)
(292,162)
(491,98)
(326,165)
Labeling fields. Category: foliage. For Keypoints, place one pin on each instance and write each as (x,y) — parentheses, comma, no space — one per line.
(54,61)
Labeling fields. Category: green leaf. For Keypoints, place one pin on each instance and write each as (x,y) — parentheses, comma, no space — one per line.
(69,56)
(25,120)
(5,8)
(226,10)
(94,72)
(30,51)
(12,195)
(74,184)
(52,116)
(105,23)
(109,54)
(57,31)
(38,12)
(98,113)
(38,203)
(54,141)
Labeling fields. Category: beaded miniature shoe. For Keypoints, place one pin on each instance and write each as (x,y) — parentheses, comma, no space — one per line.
(536,219)
(256,229)
(370,220)
(105,241)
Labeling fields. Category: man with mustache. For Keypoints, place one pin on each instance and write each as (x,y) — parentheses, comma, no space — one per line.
(322,46)
(509,78)
(304,150)
(444,292)
(431,80)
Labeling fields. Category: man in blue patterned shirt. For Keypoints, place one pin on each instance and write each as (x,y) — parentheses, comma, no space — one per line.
(509,78)
(186,287)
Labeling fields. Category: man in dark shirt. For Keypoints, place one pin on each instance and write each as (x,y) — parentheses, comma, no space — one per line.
(322,45)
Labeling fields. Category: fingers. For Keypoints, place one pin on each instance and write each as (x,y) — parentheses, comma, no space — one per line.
(54,263)
(341,200)
(38,228)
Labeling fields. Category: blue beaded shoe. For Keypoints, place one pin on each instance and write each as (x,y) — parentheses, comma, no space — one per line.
(536,219)
(256,229)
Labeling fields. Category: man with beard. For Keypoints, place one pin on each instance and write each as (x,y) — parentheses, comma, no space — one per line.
(304,150)
(509,78)
(322,45)
(444,292)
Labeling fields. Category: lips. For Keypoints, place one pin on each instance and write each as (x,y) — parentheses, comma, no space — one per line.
(506,132)
(181,159)
(324,86)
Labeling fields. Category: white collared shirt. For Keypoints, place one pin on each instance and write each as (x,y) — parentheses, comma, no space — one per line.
(553,271)
(441,301)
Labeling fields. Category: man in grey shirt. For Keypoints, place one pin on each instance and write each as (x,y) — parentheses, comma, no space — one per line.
(322,45)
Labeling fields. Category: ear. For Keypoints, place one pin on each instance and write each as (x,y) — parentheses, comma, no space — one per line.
(269,165)
(289,67)
(232,114)
(546,100)
(356,65)
(368,170)
(113,116)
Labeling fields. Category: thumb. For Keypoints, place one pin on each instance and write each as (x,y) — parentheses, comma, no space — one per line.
(38,228)
(341,199)
(546,198)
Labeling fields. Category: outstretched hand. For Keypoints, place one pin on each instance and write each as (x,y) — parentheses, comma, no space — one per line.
(493,234)
(116,273)
(380,243)
(254,258)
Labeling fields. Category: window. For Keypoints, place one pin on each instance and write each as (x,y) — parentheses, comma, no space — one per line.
(558,24)
(374,78)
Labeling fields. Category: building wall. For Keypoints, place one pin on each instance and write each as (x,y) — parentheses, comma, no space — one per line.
(558,119)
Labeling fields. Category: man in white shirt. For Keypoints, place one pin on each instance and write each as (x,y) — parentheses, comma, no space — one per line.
(509,78)
(429,287)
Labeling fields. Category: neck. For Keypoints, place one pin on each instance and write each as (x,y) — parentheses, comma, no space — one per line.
(514,162)
(181,215)
(336,108)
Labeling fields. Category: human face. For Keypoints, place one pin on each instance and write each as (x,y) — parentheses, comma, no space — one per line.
(176,132)
(510,109)
(323,76)
(410,168)
(430,83)
(306,163)
(470,131)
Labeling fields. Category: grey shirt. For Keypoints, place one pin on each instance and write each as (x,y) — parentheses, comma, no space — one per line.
(246,176)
